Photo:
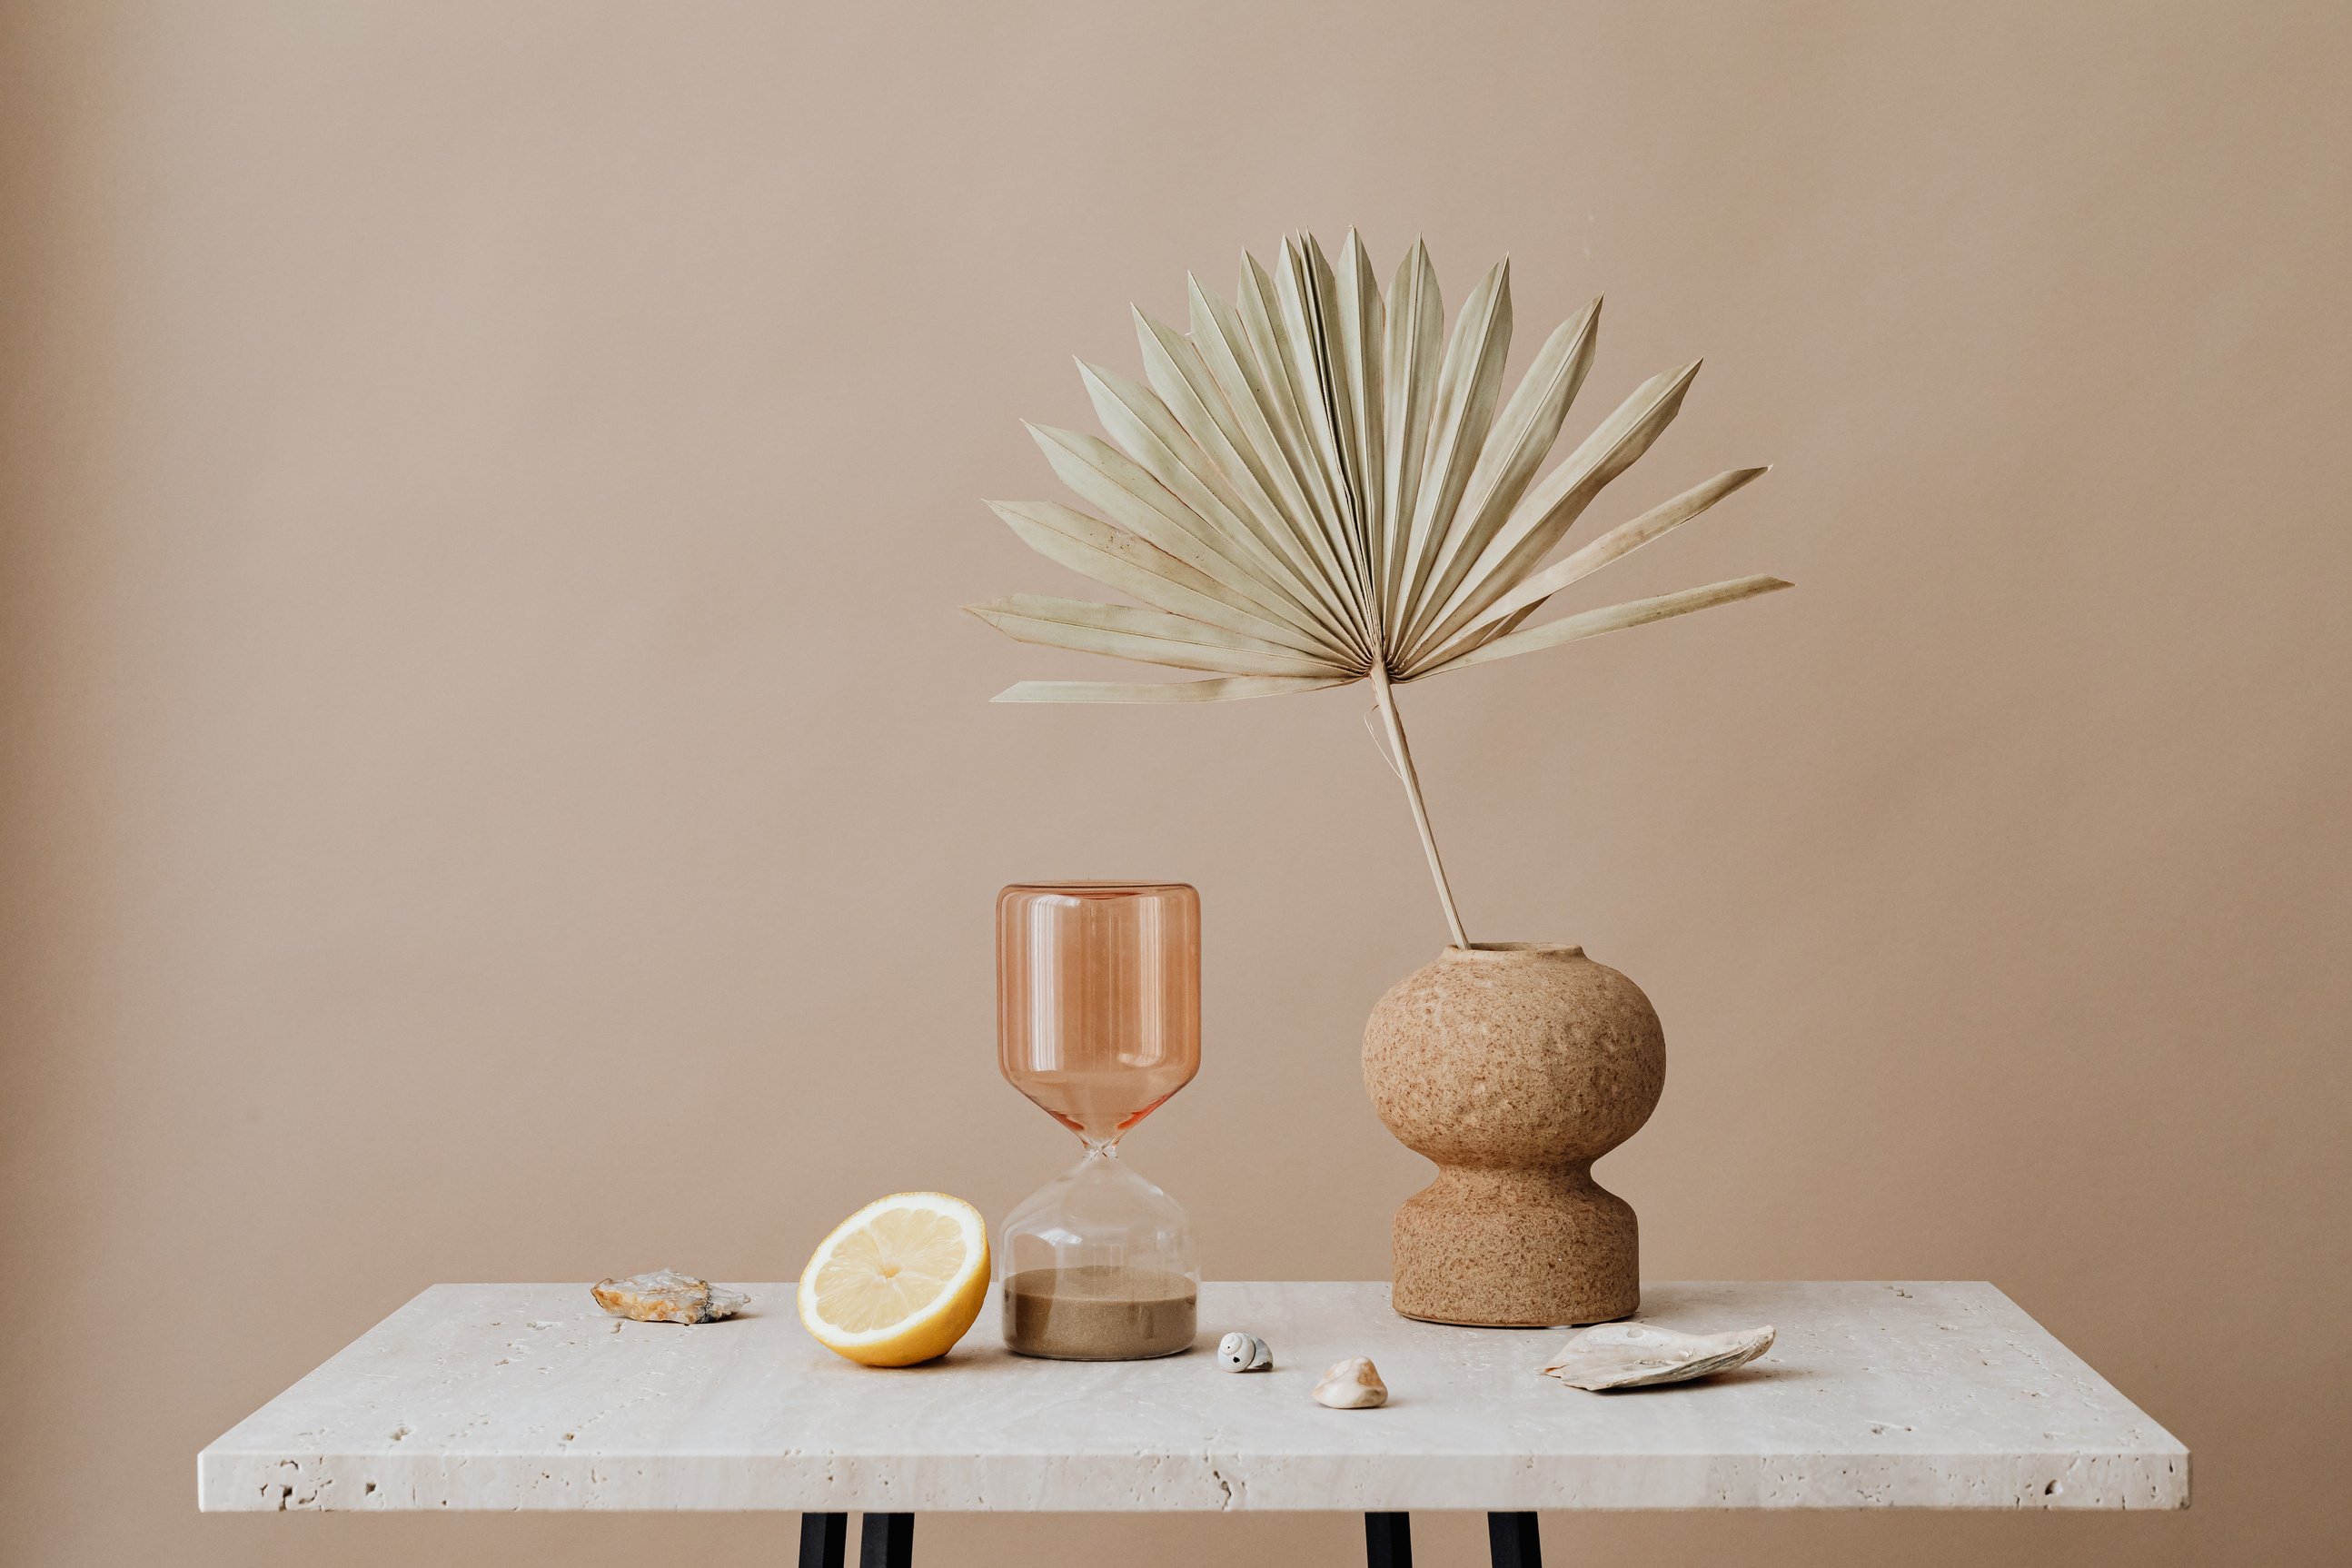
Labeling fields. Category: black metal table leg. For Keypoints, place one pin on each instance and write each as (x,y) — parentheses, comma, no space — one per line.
(1388,1541)
(887,1541)
(1511,1540)
(824,1538)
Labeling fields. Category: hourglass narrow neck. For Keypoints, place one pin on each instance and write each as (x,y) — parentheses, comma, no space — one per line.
(1101,1108)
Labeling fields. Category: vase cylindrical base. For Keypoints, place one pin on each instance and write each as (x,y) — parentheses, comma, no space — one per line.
(1516,1249)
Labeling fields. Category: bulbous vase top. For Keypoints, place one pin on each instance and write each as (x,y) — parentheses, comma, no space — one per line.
(1514,1055)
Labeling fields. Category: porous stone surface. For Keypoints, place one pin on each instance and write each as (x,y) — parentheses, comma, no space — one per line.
(525,1396)
(1514,1067)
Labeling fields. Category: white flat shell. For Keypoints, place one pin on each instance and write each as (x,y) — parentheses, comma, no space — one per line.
(1633,1355)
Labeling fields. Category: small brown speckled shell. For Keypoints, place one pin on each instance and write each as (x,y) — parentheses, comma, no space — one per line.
(1514,1066)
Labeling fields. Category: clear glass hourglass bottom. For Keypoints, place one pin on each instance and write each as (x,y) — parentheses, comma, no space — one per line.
(1099,1266)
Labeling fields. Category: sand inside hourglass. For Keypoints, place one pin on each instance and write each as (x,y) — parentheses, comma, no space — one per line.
(1099,1312)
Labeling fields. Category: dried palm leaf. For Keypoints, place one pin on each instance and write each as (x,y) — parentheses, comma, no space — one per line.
(1317,486)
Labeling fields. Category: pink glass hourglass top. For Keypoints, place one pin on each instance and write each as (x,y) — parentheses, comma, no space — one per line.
(1099,999)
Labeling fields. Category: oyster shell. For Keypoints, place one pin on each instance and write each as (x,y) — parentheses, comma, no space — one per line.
(666,1296)
(1631,1355)
(1352,1384)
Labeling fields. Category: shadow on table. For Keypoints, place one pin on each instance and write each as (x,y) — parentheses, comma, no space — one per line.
(1737,1376)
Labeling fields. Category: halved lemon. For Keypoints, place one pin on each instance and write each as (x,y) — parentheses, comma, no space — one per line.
(898,1281)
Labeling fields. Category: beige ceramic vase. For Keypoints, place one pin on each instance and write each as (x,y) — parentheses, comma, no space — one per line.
(1514,1066)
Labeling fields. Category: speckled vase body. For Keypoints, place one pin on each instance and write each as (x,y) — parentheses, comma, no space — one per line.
(1515,1066)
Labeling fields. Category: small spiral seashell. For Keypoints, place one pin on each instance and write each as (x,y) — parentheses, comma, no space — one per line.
(1244,1353)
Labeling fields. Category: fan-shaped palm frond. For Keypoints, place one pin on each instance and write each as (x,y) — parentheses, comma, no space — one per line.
(1316,486)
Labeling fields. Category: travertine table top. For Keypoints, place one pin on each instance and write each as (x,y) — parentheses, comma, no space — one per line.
(527,1396)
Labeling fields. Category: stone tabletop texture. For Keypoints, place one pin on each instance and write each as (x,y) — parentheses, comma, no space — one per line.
(527,1396)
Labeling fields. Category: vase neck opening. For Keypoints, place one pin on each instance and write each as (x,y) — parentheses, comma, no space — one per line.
(1507,951)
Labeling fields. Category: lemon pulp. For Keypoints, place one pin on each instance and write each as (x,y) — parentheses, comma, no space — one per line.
(892,1268)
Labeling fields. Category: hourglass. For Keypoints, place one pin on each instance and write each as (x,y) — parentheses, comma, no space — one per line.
(1098,1021)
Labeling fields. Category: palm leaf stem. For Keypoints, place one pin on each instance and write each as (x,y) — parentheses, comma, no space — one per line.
(1412,794)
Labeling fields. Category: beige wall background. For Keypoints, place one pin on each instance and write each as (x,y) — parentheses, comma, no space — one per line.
(486,493)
